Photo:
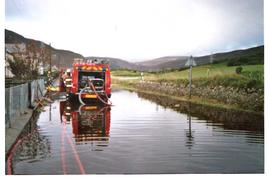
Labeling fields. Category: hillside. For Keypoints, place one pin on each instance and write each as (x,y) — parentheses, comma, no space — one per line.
(116,63)
(62,58)
(163,62)
(179,61)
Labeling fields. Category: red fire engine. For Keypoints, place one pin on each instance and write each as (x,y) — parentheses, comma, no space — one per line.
(87,80)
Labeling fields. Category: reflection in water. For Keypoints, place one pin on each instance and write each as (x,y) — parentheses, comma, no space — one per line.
(228,119)
(89,122)
(50,113)
(139,136)
(189,133)
(34,146)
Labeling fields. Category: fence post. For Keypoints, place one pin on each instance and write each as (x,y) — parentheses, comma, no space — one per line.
(10,104)
(20,99)
(7,107)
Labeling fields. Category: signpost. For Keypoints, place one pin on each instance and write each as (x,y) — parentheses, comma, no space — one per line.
(190,62)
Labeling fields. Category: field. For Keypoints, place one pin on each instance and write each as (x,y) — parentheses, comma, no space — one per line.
(205,71)
(219,74)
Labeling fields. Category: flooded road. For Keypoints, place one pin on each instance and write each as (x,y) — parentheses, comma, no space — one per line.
(139,135)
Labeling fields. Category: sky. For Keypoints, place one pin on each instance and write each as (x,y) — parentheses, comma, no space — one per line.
(137,30)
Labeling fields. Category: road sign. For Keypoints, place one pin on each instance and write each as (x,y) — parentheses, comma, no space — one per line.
(190,62)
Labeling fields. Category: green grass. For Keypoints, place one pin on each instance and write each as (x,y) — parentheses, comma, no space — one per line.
(204,71)
(125,73)
(214,75)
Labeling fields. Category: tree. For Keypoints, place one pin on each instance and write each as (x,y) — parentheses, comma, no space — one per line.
(19,67)
(33,53)
(45,54)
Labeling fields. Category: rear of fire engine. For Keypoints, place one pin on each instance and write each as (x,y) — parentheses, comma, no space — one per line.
(88,80)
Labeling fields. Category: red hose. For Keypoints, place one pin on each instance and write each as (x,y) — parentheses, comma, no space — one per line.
(75,153)
(10,158)
(106,103)
(63,160)
(64,133)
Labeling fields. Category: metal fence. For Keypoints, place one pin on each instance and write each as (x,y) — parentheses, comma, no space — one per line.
(20,97)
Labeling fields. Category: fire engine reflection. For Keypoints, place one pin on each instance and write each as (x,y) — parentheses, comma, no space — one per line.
(65,111)
(89,122)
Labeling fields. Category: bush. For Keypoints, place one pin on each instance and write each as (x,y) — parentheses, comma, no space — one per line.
(238,70)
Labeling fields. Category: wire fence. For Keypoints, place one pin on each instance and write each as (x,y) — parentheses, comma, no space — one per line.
(19,98)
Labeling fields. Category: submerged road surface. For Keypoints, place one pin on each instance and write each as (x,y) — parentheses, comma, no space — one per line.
(139,134)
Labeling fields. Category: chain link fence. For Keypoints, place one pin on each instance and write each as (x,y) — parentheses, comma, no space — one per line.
(19,98)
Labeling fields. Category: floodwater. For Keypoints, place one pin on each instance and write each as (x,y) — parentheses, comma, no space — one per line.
(139,134)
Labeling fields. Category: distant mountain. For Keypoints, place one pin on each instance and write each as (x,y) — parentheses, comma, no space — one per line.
(163,63)
(64,58)
(116,63)
(172,62)
(60,58)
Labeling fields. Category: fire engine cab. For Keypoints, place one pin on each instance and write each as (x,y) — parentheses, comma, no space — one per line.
(87,80)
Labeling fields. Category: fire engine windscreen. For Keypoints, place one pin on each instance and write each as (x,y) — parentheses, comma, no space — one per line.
(97,78)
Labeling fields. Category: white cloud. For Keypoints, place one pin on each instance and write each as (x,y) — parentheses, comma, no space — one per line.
(139,29)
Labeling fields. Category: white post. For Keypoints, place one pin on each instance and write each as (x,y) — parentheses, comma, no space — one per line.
(190,80)
(190,62)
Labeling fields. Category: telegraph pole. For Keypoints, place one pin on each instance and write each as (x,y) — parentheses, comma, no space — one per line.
(211,62)
(50,58)
(211,58)
(50,82)
(50,67)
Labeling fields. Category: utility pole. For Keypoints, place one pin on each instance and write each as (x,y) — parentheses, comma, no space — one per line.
(50,58)
(50,81)
(190,62)
(211,62)
(211,58)
(58,62)
(50,67)
(49,73)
